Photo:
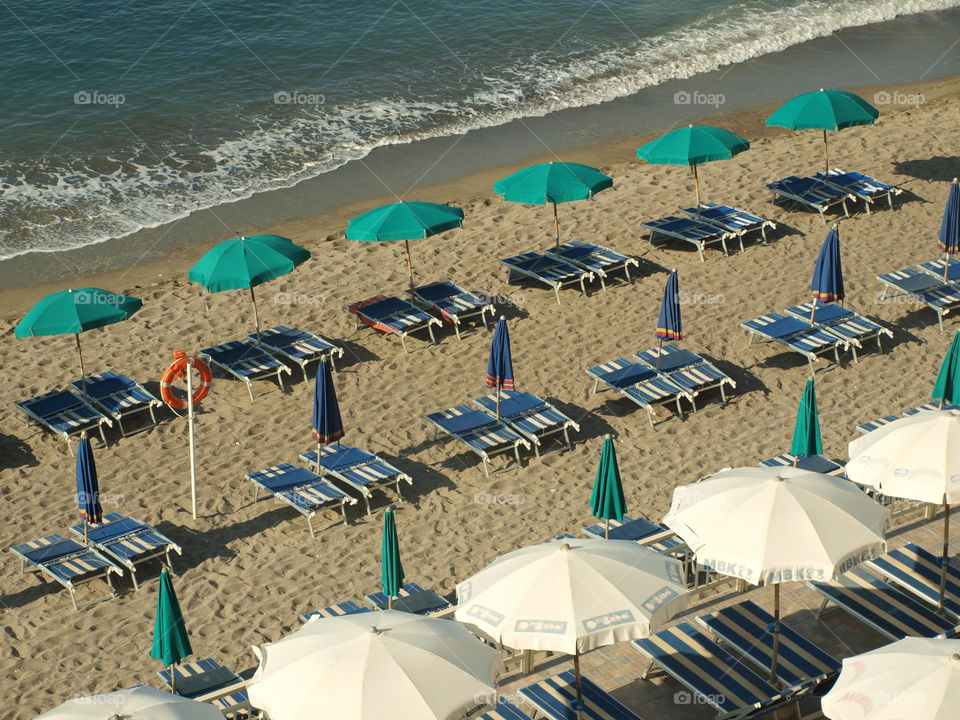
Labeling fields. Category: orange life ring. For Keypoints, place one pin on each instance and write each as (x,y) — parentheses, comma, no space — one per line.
(177,370)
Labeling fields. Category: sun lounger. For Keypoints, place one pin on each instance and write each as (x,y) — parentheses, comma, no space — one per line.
(811,192)
(851,326)
(207,680)
(599,260)
(300,346)
(118,396)
(452,303)
(748,630)
(872,425)
(641,384)
(886,609)
(529,416)
(685,368)
(697,233)
(357,468)
(733,220)
(68,563)
(482,433)
(411,598)
(926,289)
(813,463)
(302,489)
(394,316)
(632,529)
(859,185)
(555,698)
(348,607)
(504,710)
(917,571)
(550,271)
(245,361)
(711,674)
(935,268)
(65,413)
(129,542)
(796,335)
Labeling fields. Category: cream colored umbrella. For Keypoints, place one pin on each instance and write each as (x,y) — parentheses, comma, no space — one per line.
(769,525)
(386,664)
(917,458)
(136,703)
(915,678)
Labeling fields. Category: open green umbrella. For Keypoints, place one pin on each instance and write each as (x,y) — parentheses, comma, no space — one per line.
(947,387)
(552,182)
(170,641)
(246,262)
(404,221)
(806,432)
(71,312)
(607,501)
(824,110)
(693,145)
(391,572)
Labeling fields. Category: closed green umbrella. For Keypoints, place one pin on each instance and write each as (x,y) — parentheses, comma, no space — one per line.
(246,262)
(170,641)
(806,432)
(947,387)
(391,572)
(607,501)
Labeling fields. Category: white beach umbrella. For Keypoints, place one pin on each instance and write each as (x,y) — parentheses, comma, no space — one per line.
(772,525)
(386,664)
(917,458)
(916,678)
(139,703)
(572,596)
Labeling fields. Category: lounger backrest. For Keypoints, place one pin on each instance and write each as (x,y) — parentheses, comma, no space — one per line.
(53,403)
(53,552)
(340,457)
(467,422)
(438,291)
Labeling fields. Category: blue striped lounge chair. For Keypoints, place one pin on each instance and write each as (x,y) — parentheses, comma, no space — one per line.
(453,304)
(685,368)
(550,271)
(245,361)
(129,542)
(411,598)
(629,528)
(813,463)
(529,416)
(860,186)
(872,425)
(733,220)
(748,629)
(504,710)
(796,335)
(555,698)
(599,260)
(917,571)
(68,563)
(207,680)
(810,192)
(347,607)
(65,413)
(302,489)
(482,433)
(711,674)
(923,287)
(394,316)
(876,603)
(935,268)
(118,396)
(844,323)
(300,346)
(695,232)
(639,383)
(357,469)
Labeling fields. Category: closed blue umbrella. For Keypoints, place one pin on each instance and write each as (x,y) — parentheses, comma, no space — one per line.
(949,241)
(88,489)
(669,324)
(500,364)
(827,283)
(327,424)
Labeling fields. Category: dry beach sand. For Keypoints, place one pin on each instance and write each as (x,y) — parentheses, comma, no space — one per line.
(248,569)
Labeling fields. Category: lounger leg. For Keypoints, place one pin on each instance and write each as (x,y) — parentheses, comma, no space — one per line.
(680,408)
(303,369)
(486,466)
(153,415)
(433,340)
(603,283)
(73,596)
(256,494)
(280,378)
(556,291)
(396,486)
(940,320)
(650,416)
(250,388)
(626,271)
(403,342)
(596,384)
(566,436)
(516,454)
(853,350)
(310,522)
(133,576)
(366,501)
(700,251)
(123,433)
(456,329)
(536,447)
(820,610)
(343,510)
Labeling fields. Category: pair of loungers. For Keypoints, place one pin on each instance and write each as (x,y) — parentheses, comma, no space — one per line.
(710,224)
(411,598)
(308,490)
(926,286)
(661,376)
(833,188)
(872,425)
(207,680)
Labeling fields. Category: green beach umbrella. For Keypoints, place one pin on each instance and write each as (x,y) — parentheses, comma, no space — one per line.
(806,432)
(607,501)
(246,262)
(824,110)
(404,221)
(552,182)
(391,573)
(71,312)
(947,387)
(693,145)
(170,641)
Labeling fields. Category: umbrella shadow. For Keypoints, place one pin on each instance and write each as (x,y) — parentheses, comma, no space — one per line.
(14,453)
(747,382)
(425,480)
(353,354)
(508,307)
(781,231)
(830,216)
(919,318)
(591,425)
(940,168)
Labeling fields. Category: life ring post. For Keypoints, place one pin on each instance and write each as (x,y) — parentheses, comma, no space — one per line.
(193,449)
(183,366)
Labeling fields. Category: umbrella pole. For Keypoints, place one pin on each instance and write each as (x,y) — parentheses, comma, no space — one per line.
(83,374)
(776,634)
(173,678)
(696,185)
(193,447)
(813,311)
(946,553)
(946,266)
(826,153)
(498,400)
(576,670)
(256,315)
(409,263)
(85,529)
(660,352)
(556,226)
